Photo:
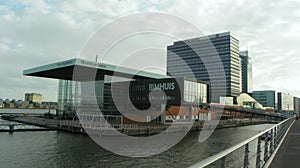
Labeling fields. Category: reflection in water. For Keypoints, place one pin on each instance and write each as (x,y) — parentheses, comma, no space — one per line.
(58,149)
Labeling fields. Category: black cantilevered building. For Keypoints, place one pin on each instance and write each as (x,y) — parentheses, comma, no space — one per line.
(89,84)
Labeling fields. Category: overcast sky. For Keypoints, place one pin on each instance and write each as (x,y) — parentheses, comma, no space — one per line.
(35,32)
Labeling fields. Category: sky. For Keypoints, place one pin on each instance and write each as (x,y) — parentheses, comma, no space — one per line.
(34,33)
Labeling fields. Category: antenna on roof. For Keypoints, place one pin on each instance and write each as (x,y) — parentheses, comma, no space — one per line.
(97,58)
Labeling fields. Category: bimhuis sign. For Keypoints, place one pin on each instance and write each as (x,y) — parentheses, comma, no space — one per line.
(139,91)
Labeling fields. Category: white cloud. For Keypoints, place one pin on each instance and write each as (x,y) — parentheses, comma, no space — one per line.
(39,32)
(3,48)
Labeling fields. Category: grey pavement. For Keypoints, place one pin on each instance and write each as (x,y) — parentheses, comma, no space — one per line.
(288,155)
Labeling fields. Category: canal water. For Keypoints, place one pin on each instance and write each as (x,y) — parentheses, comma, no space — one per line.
(59,149)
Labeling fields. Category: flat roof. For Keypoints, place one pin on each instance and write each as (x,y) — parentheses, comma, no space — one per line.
(86,71)
(206,37)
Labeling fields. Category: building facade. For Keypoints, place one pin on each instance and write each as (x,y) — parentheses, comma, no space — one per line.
(2,105)
(112,96)
(246,72)
(67,91)
(199,58)
(296,105)
(265,97)
(285,103)
(244,100)
(33,97)
(178,91)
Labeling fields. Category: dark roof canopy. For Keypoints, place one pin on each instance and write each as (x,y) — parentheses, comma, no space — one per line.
(84,70)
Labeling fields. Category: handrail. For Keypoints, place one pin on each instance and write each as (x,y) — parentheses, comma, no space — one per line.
(230,150)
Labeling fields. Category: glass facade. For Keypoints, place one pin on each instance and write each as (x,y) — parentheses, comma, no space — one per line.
(267,98)
(195,92)
(69,95)
(246,72)
(285,102)
(188,55)
(67,91)
(178,91)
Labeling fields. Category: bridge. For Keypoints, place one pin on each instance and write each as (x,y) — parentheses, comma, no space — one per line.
(275,147)
(20,127)
(22,114)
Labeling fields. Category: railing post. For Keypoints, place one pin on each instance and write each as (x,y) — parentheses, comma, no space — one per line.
(275,137)
(223,164)
(11,128)
(266,153)
(246,157)
(258,151)
(272,142)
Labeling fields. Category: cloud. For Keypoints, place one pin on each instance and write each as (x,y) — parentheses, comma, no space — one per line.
(39,32)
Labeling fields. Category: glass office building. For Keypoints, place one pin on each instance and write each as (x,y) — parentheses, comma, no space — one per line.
(184,57)
(265,97)
(285,102)
(296,105)
(246,72)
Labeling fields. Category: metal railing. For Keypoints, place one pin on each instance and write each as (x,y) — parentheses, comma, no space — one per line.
(17,126)
(253,152)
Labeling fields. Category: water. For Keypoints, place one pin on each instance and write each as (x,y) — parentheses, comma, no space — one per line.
(58,149)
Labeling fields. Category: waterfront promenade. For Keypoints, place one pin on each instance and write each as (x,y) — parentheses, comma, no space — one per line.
(288,154)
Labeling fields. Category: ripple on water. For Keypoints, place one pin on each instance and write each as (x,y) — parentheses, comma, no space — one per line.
(56,149)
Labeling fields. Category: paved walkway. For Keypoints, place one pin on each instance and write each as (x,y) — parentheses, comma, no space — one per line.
(288,155)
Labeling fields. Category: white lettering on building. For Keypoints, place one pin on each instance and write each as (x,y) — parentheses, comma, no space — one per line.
(162,86)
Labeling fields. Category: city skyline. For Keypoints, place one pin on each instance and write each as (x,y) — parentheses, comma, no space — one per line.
(36,33)
(160,83)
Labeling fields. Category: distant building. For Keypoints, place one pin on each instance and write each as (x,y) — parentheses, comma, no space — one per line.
(48,105)
(246,72)
(33,97)
(6,103)
(265,97)
(2,105)
(285,103)
(182,59)
(20,104)
(245,100)
(297,105)
(31,106)
(12,105)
